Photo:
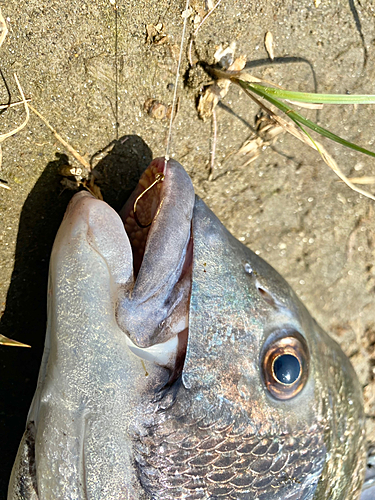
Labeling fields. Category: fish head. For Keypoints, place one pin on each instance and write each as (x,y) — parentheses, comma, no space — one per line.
(263,366)
(179,364)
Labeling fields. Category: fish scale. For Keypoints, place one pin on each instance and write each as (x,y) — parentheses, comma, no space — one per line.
(224,465)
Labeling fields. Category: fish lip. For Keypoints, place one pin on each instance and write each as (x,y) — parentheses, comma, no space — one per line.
(156,308)
(175,180)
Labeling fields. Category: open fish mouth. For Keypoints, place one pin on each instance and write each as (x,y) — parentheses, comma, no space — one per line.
(153,308)
(265,396)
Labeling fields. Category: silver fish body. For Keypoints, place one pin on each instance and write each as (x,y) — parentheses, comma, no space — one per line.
(202,376)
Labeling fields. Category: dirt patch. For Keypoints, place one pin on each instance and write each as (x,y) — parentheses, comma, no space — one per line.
(286,205)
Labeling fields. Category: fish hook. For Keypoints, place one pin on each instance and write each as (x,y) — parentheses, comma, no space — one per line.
(158,178)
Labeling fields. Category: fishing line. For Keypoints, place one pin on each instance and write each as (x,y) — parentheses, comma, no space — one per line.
(116,68)
(198,28)
(185,15)
(161,176)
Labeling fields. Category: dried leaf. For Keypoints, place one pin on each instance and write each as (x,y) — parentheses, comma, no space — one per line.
(268,42)
(217,91)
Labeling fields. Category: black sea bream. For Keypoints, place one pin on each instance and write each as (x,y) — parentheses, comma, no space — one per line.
(180,365)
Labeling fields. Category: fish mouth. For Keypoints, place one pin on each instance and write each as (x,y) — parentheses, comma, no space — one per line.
(154,310)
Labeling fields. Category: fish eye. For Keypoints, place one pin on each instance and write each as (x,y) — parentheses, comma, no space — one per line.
(285,364)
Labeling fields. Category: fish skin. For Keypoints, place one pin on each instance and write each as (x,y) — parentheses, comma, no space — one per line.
(99,428)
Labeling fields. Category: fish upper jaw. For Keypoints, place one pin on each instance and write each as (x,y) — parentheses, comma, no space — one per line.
(150,267)
(154,313)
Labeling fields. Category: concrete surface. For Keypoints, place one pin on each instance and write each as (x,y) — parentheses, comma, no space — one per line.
(287,205)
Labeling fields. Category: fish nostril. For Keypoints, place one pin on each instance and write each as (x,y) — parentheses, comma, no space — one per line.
(266,296)
(285,364)
(262,291)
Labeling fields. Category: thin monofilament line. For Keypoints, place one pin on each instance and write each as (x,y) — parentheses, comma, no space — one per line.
(167,149)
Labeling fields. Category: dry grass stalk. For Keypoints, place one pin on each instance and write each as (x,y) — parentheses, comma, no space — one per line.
(17,129)
(3,34)
(363,180)
(88,182)
(12,104)
(20,127)
(3,29)
(300,134)
(77,156)
(66,145)
(264,136)
(11,342)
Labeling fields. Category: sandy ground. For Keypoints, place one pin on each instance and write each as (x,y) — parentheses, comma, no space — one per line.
(287,205)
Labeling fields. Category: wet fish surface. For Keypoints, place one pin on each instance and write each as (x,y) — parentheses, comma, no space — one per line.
(179,365)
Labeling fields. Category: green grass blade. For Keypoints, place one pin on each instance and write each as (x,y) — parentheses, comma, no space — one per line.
(299,119)
(313,98)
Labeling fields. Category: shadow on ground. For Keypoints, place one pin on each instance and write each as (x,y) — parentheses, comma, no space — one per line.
(25,316)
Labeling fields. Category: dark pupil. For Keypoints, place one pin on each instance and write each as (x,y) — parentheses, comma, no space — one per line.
(286,369)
